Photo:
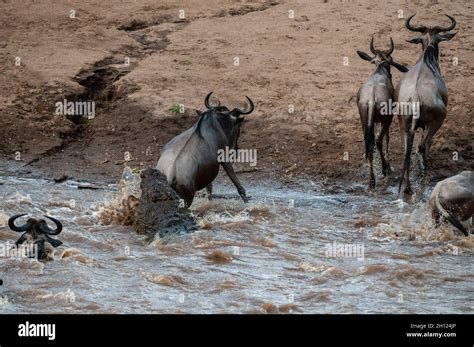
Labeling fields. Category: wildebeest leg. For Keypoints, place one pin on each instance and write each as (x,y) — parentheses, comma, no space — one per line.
(185,194)
(231,173)
(437,219)
(407,189)
(425,144)
(209,191)
(371,163)
(422,151)
(367,121)
(407,140)
(383,132)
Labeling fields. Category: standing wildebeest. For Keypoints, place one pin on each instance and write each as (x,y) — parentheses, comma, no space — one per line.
(374,96)
(189,161)
(453,199)
(423,86)
(37,233)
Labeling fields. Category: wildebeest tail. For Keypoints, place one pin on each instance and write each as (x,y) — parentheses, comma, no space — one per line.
(449,216)
(408,148)
(369,136)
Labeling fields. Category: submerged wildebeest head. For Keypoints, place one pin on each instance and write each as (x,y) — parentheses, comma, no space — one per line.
(424,86)
(452,199)
(37,233)
(373,97)
(190,160)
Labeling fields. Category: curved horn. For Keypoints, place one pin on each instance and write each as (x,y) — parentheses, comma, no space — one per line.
(207,104)
(390,50)
(372,49)
(12,226)
(59,227)
(250,110)
(451,27)
(420,28)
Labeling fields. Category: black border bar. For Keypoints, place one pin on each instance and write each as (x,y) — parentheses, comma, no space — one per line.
(314,329)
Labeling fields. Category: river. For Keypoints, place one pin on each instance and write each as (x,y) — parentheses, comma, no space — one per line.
(290,250)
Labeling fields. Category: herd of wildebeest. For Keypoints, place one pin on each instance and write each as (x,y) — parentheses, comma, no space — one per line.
(189,161)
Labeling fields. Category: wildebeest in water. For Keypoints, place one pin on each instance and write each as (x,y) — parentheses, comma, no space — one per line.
(452,199)
(423,85)
(37,233)
(373,97)
(189,161)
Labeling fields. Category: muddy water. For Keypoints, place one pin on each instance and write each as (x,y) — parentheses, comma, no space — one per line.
(271,255)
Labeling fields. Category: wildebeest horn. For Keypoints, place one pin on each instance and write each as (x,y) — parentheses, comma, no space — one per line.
(372,49)
(250,110)
(439,29)
(12,226)
(390,50)
(420,29)
(206,102)
(59,227)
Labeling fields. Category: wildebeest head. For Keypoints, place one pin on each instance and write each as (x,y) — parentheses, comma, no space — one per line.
(37,232)
(382,57)
(431,36)
(230,120)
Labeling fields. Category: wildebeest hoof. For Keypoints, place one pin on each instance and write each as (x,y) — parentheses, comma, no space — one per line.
(408,191)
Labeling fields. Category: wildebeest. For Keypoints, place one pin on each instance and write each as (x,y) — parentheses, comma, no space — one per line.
(189,161)
(373,97)
(453,199)
(36,232)
(423,86)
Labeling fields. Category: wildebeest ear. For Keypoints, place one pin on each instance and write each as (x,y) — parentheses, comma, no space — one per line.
(446,37)
(416,40)
(364,56)
(55,243)
(21,240)
(399,67)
